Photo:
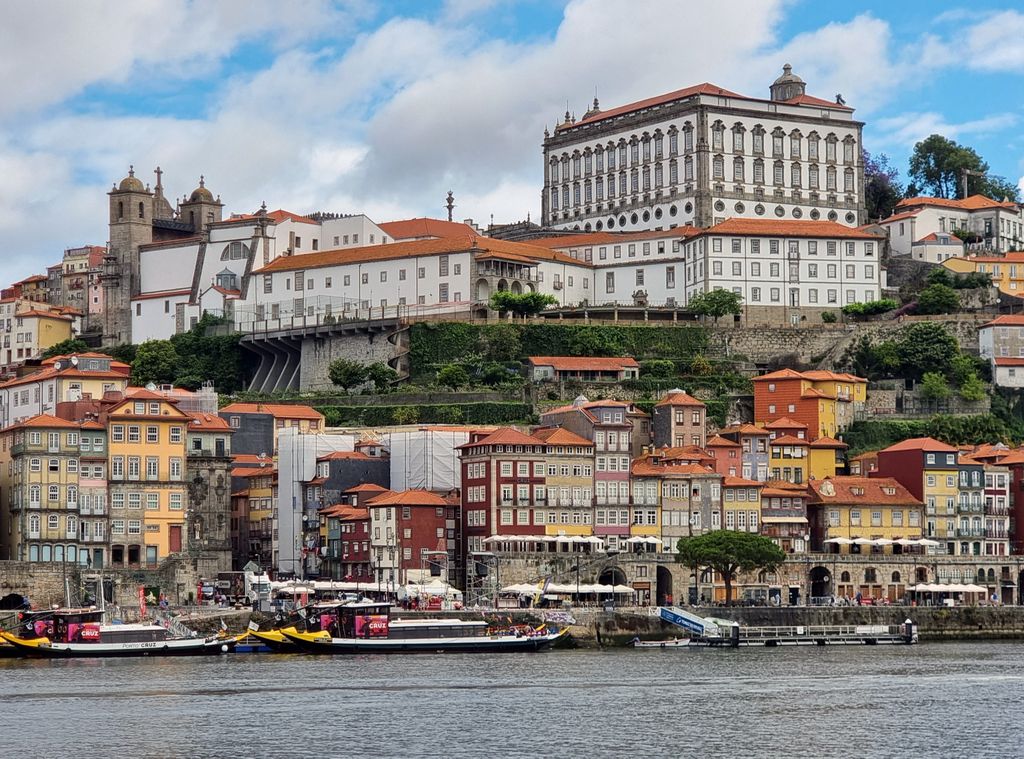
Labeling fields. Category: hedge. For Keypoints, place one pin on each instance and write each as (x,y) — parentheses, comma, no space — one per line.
(427,413)
(434,344)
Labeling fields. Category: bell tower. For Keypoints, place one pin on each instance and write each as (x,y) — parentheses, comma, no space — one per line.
(131,225)
(201,209)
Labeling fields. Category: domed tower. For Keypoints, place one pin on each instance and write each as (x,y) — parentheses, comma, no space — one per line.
(788,86)
(201,208)
(131,225)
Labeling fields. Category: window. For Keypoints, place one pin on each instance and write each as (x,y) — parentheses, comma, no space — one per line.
(152,434)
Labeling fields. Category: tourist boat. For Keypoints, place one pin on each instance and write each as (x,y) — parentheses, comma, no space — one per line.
(674,643)
(73,633)
(366,627)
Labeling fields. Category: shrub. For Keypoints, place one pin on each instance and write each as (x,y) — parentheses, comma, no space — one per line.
(453,376)
(829,317)
(870,308)
(346,374)
(658,368)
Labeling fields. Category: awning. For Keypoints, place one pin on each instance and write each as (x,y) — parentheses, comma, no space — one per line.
(839,541)
(946,588)
(784,520)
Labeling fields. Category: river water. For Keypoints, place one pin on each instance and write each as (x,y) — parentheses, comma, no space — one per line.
(930,700)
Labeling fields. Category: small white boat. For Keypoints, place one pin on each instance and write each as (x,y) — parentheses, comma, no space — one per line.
(673,643)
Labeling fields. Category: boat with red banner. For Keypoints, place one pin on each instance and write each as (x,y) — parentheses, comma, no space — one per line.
(74,633)
(366,627)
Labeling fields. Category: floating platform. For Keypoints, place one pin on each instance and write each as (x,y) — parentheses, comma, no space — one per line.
(708,631)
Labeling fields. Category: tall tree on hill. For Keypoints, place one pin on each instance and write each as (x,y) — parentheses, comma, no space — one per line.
(882,188)
(937,167)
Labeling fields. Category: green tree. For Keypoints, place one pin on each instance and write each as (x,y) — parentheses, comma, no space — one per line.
(66,348)
(925,347)
(934,386)
(124,353)
(155,361)
(940,275)
(502,342)
(882,189)
(728,553)
(962,368)
(346,374)
(521,304)
(700,366)
(937,167)
(938,299)
(829,317)
(405,414)
(452,376)
(972,389)
(660,368)
(382,376)
(716,303)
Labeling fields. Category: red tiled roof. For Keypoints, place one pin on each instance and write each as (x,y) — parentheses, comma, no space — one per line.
(825,375)
(744,429)
(281,215)
(340,455)
(68,373)
(45,315)
(812,392)
(739,482)
(1008,361)
(560,436)
(871,487)
(1007,320)
(921,444)
(346,512)
(786,228)
(698,89)
(162,294)
(679,398)
(406,229)
(254,471)
(972,203)
(934,237)
(588,239)
(811,100)
(277,410)
(828,442)
(777,375)
(788,440)
(45,421)
(504,436)
(720,442)
(410,498)
(207,422)
(643,467)
(899,217)
(785,423)
(583,363)
(367,487)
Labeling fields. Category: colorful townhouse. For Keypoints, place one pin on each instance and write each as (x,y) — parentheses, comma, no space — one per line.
(789,459)
(753,442)
(741,504)
(680,498)
(726,454)
(39,484)
(569,482)
(93,525)
(679,419)
(784,516)
(827,457)
(826,402)
(929,470)
(348,554)
(415,537)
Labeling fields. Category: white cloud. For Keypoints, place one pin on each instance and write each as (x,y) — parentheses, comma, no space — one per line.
(995,44)
(908,128)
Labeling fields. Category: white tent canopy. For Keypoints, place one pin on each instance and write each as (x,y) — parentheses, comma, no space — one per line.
(944,588)
(557,589)
(435,588)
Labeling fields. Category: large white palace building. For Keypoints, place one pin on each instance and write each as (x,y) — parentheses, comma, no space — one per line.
(702,154)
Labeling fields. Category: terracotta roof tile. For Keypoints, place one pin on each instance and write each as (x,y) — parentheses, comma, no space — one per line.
(679,398)
(828,442)
(785,423)
(504,436)
(788,440)
(698,89)
(1006,320)
(410,498)
(972,203)
(343,455)
(584,363)
(560,436)
(207,422)
(871,487)
(277,410)
(739,482)
(921,444)
(1008,361)
(720,442)
(406,229)
(756,227)
(367,487)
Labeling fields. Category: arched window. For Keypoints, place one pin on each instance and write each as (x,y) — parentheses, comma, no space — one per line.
(142,210)
(844,577)
(53,493)
(72,495)
(33,495)
(120,209)
(870,575)
(33,524)
(895,576)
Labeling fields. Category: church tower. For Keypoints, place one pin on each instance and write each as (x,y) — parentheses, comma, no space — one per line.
(201,209)
(788,86)
(131,225)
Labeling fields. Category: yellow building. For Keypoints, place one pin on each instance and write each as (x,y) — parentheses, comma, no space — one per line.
(866,508)
(741,504)
(39,486)
(260,495)
(1006,271)
(148,493)
(826,457)
(568,482)
(788,459)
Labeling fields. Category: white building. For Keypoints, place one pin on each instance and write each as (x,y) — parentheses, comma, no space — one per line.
(702,154)
(923,226)
(1001,341)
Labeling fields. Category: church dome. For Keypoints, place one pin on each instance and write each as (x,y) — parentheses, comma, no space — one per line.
(788,77)
(201,194)
(131,183)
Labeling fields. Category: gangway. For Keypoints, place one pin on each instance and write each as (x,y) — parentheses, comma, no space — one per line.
(697,626)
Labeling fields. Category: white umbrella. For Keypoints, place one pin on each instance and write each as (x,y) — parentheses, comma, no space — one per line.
(883,542)
(927,542)
(839,541)
(654,541)
(907,542)
(494,539)
(863,541)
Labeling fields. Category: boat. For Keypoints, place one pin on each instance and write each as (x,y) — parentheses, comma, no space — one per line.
(366,627)
(309,619)
(80,633)
(673,643)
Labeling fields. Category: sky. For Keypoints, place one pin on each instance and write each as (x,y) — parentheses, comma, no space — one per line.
(356,106)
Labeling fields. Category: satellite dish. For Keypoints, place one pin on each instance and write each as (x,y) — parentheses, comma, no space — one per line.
(74,360)
(150,386)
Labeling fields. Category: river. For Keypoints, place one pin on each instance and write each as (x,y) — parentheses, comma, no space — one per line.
(929,700)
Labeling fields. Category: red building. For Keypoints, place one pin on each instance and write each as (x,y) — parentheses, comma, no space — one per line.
(348,543)
(726,454)
(414,536)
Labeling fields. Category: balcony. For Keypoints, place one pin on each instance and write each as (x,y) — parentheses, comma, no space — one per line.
(971,532)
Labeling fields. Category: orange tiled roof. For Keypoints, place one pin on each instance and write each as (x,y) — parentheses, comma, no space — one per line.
(405,229)
(45,421)
(899,217)
(972,203)
(1008,361)
(720,442)
(872,488)
(560,436)
(347,512)
(739,482)
(811,100)
(921,444)
(70,372)
(679,398)
(340,455)
(697,89)
(788,440)
(777,375)
(281,215)
(207,422)
(744,429)
(504,436)
(583,363)
(786,228)
(253,471)
(1006,320)
(785,423)
(410,498)
(828,442)
(277,410)
(367,487)
(643,467)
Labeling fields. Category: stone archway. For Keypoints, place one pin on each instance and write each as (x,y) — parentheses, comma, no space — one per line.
(821,582)
(516,287)
(483,291)
(921,575)
(502,285)
(612,576)
(664,594)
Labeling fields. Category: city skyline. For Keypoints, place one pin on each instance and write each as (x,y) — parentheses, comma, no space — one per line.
(409,100)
